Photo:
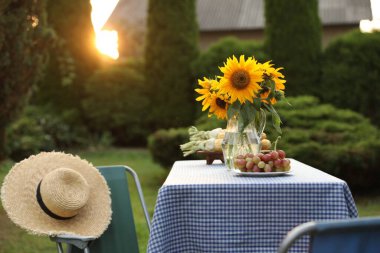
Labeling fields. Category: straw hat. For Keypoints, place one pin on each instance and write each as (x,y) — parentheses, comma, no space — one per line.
(56,193)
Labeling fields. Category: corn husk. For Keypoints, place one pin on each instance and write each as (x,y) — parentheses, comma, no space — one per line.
(207,145)
(195,134)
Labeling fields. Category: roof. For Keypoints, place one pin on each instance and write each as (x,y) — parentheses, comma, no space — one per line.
(219,15)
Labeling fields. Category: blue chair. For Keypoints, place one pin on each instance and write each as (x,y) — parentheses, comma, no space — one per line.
(120,236)
(360,235)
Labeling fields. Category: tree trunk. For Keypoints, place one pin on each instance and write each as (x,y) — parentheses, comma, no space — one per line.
(2,143)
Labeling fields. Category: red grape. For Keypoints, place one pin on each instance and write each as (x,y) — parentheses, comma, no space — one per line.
(267,168)
(240,163)
(249,165)
(256,159)
(277,163)
(266,158)
(281,153)
(274,155)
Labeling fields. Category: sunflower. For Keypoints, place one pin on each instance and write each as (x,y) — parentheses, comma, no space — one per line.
(209,87)
(273,74)
(241,79)
(218,106)
(264,97)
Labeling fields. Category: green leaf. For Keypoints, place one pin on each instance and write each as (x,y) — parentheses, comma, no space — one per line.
(270,96)
(276,120)
(247,115)
(272,85)
(286,101)
(233,109)
(257,104)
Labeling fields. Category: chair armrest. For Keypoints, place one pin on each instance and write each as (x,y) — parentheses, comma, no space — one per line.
(295,234)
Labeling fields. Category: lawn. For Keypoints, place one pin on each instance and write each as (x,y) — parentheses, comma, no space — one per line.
(15,240)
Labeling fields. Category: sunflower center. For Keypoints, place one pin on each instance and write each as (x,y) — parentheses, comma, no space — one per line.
(240,79)
(220,103)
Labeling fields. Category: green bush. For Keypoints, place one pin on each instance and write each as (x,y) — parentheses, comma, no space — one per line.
(39,129)
(164,145)
(293,41)
(340,142)
(351,67)
(207,63)
(26,137)
(117,102)
(171,47)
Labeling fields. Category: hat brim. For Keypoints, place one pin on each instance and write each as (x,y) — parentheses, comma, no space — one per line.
(18,195)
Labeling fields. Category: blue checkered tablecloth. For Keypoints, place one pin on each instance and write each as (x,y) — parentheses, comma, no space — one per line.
(205,208)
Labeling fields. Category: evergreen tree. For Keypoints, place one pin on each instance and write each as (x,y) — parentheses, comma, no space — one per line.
(24,37)
(171,47)
(293,40)
(73,58)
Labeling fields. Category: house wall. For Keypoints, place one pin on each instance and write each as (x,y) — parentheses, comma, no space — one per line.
(207,38)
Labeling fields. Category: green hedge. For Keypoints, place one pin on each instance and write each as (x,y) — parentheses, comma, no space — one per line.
(207,63)
(340,142)
(351,76)
(117,102)
(293,41)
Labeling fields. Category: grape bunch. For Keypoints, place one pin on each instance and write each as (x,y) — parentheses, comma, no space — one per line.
(273,161)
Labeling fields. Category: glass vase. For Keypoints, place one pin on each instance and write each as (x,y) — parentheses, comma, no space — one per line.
(238,144)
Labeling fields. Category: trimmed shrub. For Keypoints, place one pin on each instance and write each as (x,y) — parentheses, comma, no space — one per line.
(207,63)
(171,47)
(164,145)
(351,67)
(293,41)
(38,129)
(340,142)
(117,102)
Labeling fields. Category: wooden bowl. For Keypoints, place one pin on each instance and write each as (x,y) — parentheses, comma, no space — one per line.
(211,156)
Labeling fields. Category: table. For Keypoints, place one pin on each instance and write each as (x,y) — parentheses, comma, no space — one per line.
(205,208)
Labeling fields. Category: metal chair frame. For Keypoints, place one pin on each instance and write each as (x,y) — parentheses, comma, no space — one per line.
(83,242)
(312,228)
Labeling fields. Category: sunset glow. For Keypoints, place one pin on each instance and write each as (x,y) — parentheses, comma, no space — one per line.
(106,40)
(369,26)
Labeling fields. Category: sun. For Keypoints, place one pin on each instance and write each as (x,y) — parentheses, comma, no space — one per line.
(106,41)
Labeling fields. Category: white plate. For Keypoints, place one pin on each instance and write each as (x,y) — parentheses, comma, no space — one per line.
(261,174)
